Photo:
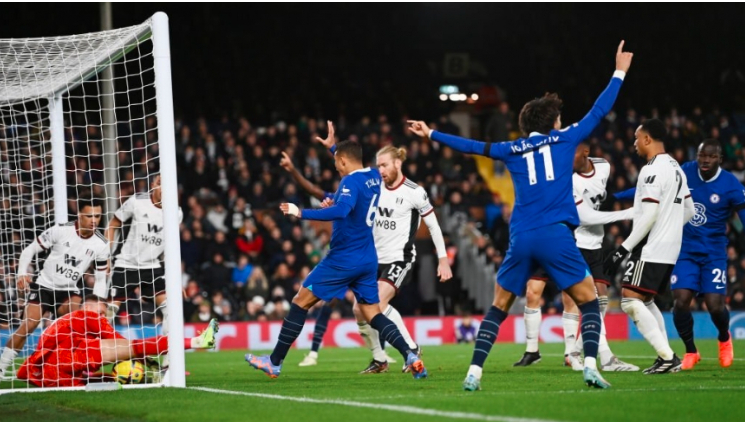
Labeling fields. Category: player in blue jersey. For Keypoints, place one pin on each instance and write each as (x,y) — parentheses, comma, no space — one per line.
(544,216)
(352,262)
(701,268)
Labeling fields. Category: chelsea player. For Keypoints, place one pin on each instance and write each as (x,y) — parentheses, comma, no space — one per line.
(701,268)
(541,227)
(352,262)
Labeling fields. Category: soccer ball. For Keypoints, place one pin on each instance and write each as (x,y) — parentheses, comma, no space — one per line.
(129,372)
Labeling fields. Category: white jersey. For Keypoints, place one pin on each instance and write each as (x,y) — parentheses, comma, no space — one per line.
(590,188)
(144,243)
(400,210)
(662,181)
(70,256)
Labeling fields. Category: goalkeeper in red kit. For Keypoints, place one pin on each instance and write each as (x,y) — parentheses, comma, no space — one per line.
(81,342)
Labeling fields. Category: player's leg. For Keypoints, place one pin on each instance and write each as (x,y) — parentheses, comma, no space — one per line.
(323,283)
(608,361)
(114,350)
(641,283)
(572,337)
(532,318)
(714,287)
(373,340)
(683,320)
(567,268)
(322,321)
(365,288)
(32,315)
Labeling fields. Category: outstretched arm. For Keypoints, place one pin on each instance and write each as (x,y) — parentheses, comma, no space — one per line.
(312,190)
(625,195)
(464,145)
(337,211)
(590,217)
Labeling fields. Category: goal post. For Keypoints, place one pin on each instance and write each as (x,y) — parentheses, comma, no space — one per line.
(53,147)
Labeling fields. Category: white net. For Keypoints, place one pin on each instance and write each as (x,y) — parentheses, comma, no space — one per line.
(107,131)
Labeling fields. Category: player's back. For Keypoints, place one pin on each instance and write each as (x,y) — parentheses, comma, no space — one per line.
(714,201)
(541,168)
(352,239)
(662,181)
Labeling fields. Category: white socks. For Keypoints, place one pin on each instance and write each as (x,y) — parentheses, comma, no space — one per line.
(6,359)
(657,315)
(372,341)
(648,325)
(313,355)
(532,319)
(164,311)
(571,326)
(475,371)
(394,316)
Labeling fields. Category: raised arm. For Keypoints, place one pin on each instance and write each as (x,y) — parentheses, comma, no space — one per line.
(312,190)
(581,130)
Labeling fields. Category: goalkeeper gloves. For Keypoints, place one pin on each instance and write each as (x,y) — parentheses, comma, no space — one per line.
(613,261)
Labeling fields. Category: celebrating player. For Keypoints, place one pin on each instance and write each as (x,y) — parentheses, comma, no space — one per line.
(137,265)
(82,341)
(72,248)
(702,264)
(662,205)
(588,183)
(544,215)
(395,227)
(351,263)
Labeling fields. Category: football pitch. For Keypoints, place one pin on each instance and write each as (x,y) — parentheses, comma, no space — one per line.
(222,387)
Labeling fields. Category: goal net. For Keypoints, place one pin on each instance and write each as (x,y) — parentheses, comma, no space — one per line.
(87,116)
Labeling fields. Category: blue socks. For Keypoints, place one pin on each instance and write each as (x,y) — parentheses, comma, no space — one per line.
(487,335)
(291,328)
(721,320)
(321,324)
(684,324)
(590,327)
(390,333)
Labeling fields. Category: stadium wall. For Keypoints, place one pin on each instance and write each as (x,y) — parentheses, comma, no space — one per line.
(426,331)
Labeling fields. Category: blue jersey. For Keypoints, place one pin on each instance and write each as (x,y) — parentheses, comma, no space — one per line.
(353,214)
(715,200)
(541,166)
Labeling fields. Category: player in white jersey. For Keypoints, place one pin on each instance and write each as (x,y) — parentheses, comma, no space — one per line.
(588,183)
(401,207)
(72,248)
(662,206)
(137,264)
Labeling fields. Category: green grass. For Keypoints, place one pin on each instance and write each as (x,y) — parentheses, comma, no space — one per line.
(545,391)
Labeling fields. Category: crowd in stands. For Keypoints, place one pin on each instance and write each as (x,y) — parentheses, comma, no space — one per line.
(243,260)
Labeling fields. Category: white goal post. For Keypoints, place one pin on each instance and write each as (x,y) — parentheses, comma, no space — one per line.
(53,146)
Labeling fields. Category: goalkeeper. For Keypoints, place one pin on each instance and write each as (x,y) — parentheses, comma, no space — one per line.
(81,342)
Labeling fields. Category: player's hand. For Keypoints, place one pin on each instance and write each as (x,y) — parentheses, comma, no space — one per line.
(327,202)
(419,128)
(613,261)
(443,270)
(290,209)
(22,282)
(286,162)
(623,59)
(330,140)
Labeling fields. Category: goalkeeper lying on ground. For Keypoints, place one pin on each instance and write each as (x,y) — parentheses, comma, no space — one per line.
(79,343)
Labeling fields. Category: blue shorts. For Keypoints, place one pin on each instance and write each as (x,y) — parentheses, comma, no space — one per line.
(700,273)
(328,281)
(552,248)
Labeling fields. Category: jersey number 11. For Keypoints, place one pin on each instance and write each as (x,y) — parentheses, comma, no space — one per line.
(548,164)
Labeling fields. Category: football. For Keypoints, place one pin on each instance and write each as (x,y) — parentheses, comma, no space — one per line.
(129,372)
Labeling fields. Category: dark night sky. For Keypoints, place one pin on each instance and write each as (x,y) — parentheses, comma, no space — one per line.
(292,58)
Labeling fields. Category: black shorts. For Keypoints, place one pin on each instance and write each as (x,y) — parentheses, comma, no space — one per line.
(397,273)
(49,299)
(151,282)
(646,277)
(593,259)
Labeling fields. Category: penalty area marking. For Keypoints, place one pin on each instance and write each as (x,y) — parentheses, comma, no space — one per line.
(390,407)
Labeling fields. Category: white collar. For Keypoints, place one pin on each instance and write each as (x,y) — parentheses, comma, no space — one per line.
(719,170)
(532,134)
